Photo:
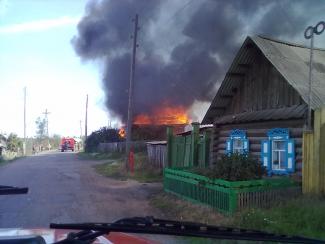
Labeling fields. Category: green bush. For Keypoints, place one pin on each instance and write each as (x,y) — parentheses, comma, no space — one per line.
(234,167)
(104,134)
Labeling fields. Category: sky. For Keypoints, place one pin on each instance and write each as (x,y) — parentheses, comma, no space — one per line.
(36,53)
(61,50)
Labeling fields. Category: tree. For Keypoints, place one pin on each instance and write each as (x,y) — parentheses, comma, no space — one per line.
(40,125)
(55,141)
(104,134)
(14,143)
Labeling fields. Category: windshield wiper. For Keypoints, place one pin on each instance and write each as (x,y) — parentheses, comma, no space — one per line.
(9,190)
(150,225)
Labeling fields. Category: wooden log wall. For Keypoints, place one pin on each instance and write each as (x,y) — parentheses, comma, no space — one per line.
(256,132)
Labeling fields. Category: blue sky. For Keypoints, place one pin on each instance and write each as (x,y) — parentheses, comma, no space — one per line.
(35,51)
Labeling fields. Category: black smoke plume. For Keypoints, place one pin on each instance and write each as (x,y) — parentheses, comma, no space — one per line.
(178,69)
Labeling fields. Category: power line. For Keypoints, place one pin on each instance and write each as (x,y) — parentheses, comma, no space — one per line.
(145,19)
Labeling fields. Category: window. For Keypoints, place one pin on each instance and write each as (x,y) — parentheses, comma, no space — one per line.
(237,143)
(238,146)
(277,152)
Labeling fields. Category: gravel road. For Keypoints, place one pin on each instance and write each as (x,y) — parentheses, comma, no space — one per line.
(64,188)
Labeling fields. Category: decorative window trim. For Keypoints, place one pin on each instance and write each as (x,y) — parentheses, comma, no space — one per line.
(278,134)
(235,135)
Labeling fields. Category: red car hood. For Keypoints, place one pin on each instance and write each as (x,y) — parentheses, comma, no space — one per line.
(53,235)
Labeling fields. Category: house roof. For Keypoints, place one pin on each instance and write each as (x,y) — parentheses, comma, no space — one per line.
(201,129)
(157,142)
(293,112)
(292,62)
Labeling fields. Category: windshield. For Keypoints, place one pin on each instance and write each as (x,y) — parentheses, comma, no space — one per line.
(206,111)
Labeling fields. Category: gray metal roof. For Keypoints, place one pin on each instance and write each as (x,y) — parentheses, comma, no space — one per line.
(291,60)
(157,142)
(293,112)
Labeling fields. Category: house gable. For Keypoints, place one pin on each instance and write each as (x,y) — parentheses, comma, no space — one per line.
(285,63)
(262,87)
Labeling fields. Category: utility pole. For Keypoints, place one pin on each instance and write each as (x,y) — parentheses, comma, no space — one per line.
(24,145)
(80,129)
(309,34)
(86,119)
(46,113)
(130,104)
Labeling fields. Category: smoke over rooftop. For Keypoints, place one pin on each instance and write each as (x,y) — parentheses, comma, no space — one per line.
(184,48)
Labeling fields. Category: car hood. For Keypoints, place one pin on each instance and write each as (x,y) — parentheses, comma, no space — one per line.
(53,235)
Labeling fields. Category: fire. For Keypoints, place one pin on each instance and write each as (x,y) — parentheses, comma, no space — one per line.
(165,115)
(122,132)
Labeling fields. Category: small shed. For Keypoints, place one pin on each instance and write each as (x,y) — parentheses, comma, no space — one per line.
(157,153)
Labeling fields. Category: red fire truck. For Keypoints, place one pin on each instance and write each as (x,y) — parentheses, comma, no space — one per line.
(67,143)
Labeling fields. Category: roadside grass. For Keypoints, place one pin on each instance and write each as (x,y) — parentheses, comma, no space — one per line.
(175,208)
(112,170)
(303,216)
(4,161)
(143,171)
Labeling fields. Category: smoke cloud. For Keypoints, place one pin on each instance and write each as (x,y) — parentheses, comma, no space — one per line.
(184,49)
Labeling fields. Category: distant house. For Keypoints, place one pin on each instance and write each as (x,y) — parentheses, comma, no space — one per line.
(261,105)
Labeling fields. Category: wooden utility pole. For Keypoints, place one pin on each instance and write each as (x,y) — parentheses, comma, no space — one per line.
(80,129)
(130,104)
(24,145)
(46,113)
(86,119)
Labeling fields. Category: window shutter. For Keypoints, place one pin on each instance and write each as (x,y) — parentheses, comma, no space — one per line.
(266,153)
(290,155)
(228,146)
(246,145)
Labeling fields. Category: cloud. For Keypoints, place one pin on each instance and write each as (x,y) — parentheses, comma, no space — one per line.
(39,25)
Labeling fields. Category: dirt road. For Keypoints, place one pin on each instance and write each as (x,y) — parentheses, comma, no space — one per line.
(64,188)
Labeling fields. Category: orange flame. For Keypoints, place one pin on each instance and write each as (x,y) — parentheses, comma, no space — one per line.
(166,115)
(122,132)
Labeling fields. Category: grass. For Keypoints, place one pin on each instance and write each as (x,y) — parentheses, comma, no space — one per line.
(172,207)
(113,170)
(303,216)
(4,161)
(143,170)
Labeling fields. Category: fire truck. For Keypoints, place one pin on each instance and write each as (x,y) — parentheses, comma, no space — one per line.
(67,143)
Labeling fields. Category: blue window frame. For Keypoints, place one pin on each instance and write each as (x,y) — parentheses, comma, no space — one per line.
(237,142)
(278,152)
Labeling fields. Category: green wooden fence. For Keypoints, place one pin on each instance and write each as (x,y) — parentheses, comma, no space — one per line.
(188,150)
(226,196)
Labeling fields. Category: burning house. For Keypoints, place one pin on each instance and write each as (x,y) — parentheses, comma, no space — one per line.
(261,105)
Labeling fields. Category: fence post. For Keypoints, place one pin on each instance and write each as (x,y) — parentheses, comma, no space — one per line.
(195,143)
(205,148)
(169,145)
(314,156)
(233,200)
